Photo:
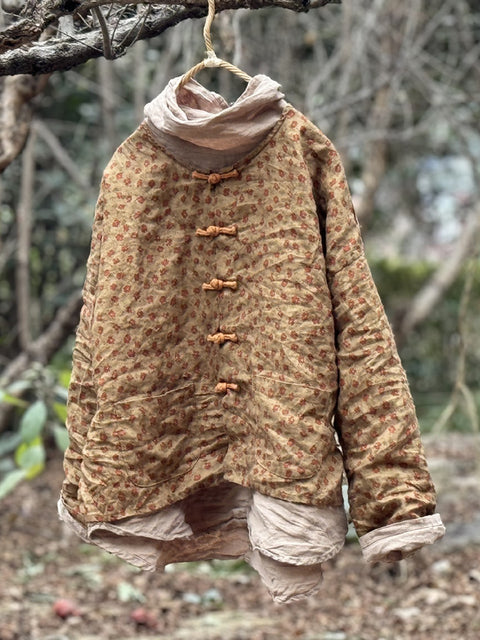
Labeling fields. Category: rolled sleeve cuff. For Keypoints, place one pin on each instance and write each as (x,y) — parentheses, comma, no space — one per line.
(399,540)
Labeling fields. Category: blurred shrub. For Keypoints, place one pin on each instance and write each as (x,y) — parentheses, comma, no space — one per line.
(430,353)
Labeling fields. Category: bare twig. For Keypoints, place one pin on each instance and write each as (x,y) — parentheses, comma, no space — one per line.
(61,155)
(107,87)
(24,231)
(136,30)
(107,45)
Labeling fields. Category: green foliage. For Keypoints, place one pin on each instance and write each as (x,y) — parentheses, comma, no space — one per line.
(23,450)
(430,355)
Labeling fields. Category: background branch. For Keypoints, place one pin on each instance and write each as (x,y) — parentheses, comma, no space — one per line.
(21,53)
(24,232)
(16,94)
(61,155)
(424,301)
(47,344)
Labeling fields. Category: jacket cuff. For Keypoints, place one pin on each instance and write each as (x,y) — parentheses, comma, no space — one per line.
(399,540)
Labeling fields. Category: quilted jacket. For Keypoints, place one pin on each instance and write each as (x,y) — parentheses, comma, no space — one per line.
(231,331)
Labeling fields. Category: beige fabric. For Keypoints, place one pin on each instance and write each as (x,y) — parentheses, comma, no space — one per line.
(400,539)
(283,542)
(295,533)
(286,582)
(212,133)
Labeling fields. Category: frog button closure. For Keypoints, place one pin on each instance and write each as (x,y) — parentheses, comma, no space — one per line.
(215,178)
(216,284)
(225,387)
(220,338)
(214,231)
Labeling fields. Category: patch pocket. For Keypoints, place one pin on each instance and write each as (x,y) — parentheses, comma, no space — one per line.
(293,430)
(145,439)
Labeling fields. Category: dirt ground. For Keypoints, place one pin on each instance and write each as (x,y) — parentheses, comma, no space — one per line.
(435,595)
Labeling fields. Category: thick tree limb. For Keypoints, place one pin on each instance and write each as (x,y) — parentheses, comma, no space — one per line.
(16,113)
(20,51)
(425,300)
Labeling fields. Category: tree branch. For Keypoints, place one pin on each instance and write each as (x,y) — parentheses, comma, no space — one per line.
(461,390)
(42,349)
(61,155)
(15,114)
(47,344)
(20,53)
(107,45)
(422,304)
(24,233)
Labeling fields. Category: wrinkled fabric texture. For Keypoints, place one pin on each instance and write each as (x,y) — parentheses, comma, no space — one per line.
(399,540)
(212,133)
(222,523)
(230,330)
(204,118)
(318,534)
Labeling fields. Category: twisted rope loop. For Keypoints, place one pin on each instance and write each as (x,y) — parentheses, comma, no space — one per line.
(211,59)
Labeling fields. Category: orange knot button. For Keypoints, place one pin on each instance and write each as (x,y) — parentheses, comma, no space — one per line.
(223,387)
(214,231)
(215,178)
(220,338)
(217,285)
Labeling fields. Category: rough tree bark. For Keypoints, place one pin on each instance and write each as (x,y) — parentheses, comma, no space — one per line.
(16,94)
(109,35)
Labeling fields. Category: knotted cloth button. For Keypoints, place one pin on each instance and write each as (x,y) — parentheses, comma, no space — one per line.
(223,387)
(215,178)
(214,231)
(217,285)
(220,338)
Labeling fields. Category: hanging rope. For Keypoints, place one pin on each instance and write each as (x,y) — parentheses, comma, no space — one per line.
(208,26)
(211,60)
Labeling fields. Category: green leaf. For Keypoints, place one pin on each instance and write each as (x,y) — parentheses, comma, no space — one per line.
(61,411)
(30,457)
(61,437)
(33,421)
(10,481)
(9,399)
(9,443)
(64,377)
(19,386)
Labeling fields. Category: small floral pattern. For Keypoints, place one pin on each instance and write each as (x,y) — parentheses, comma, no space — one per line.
(313,353)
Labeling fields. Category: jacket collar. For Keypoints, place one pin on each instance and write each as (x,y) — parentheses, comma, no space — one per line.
(203,118)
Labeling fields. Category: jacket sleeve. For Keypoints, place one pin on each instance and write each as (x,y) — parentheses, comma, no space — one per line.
(82,401)
(388,478)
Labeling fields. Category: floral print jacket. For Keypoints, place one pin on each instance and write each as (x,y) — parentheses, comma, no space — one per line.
(231,331)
